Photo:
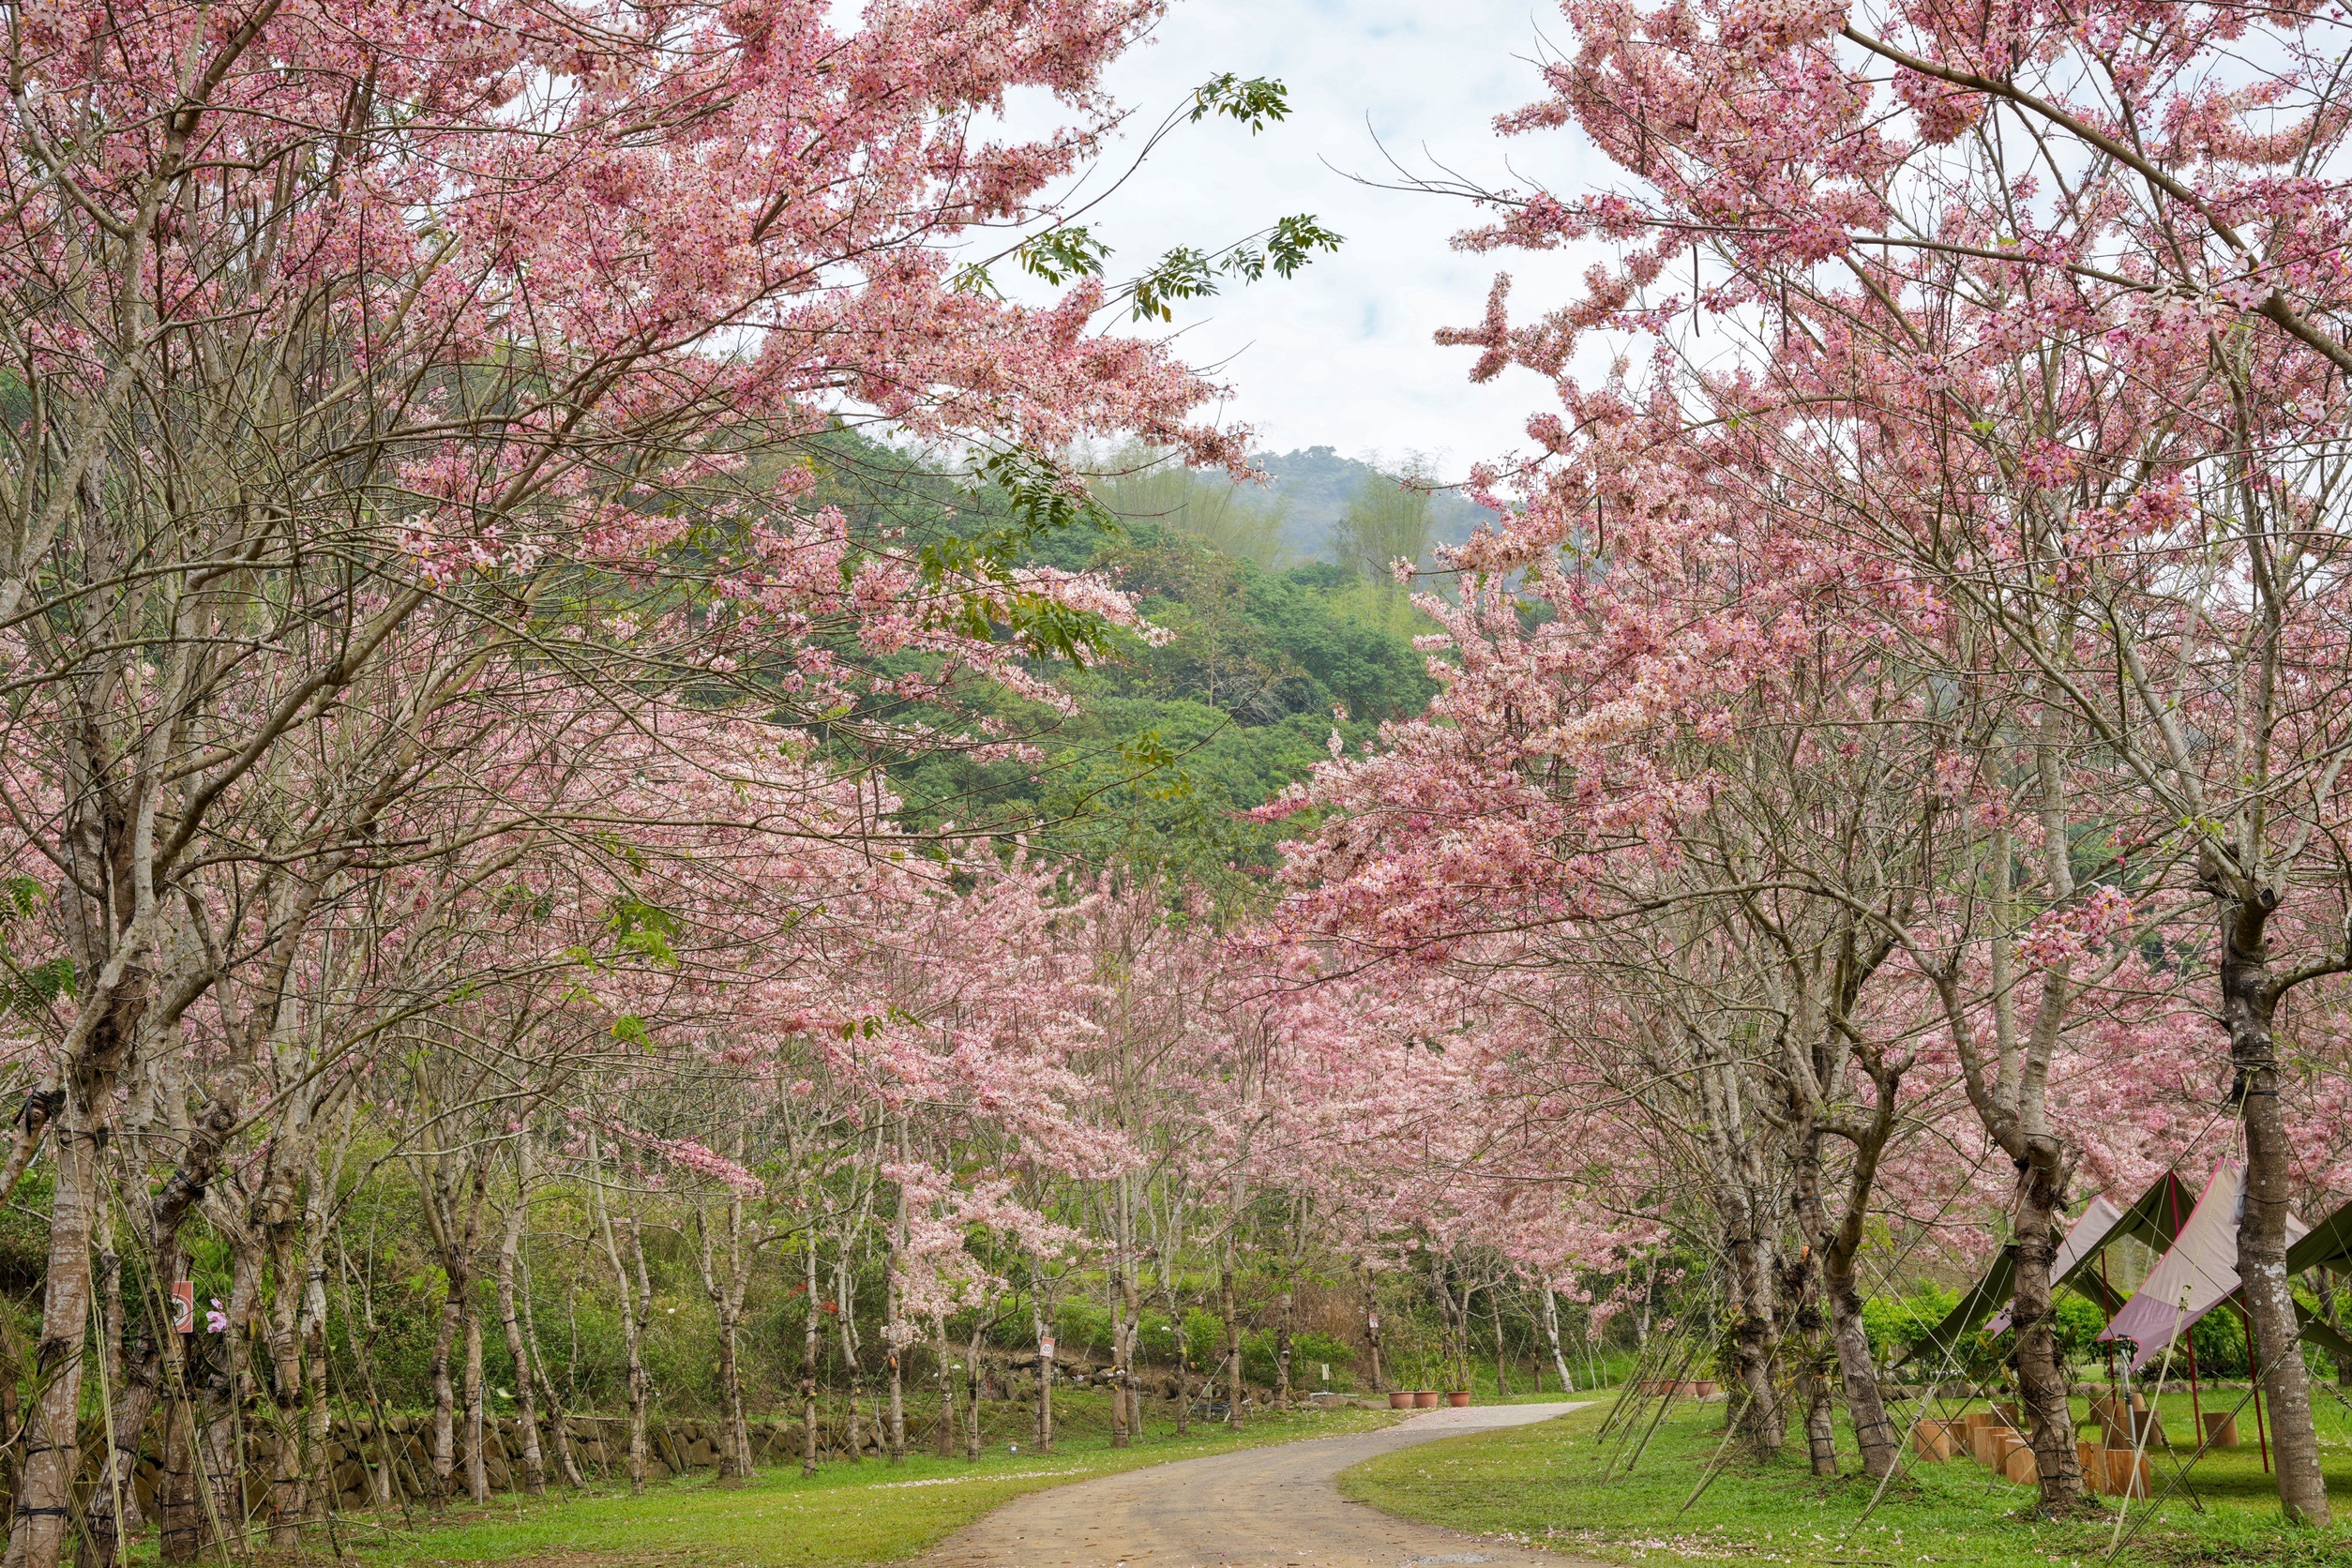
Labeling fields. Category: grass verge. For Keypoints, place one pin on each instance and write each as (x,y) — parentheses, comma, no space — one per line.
(866,1512)
(1544,1486)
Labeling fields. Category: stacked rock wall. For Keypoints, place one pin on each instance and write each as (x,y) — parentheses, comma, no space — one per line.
(357,1457)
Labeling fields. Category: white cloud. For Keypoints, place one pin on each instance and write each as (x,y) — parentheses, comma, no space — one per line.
(1341,354)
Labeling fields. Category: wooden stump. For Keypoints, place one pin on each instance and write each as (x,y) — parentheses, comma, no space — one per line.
(2129,1475)
(1934,1440)
(1988,1441)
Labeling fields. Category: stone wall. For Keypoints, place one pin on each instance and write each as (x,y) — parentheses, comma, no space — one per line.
(356,1455)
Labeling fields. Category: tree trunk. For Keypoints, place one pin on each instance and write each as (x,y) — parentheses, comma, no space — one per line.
(444,1465)
(735,1463)
(1282,1310)
(894,1336)
(1820,1421)
(845,1323)
(1804,1332)
(183,1536)
(1044,1373)
(110,1488)
(222,1447)
(526,1400)
(285,1349)
(477,1435)
(159,1368)
(1232,1339)
(386,1456)
(1502,1355)
(1755,1337)
(566,1460)
(973,1388)
(52,1449)
(634,1337)
(635,1293)
(1183,1356)
(947,1388)
(1841,1290)
(1120,1370)
(107,1261)
(1131,1307)
(808,1363)
(318,1416)
(2249,1002)
(897,1429)
(2040,1377)
(1858,1374)
(1551,1333)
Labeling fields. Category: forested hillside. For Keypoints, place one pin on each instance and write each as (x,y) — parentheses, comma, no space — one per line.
(1173,739)
(1315,487)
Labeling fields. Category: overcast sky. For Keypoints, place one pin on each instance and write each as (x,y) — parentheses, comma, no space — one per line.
(1341,355)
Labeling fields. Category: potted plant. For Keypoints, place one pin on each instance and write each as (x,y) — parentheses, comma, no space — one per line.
(1458,1394)
(1422,1396)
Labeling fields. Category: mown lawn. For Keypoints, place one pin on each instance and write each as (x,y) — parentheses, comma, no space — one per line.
(1545,1485)
(866,1512)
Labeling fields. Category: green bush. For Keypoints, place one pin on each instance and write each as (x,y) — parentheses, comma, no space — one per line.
(1081,1326)
(1204,1337)
(1308,1350)
(1899,1325)
(2077,1327)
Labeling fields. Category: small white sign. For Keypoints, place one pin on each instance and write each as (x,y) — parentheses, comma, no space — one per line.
(1045,1347)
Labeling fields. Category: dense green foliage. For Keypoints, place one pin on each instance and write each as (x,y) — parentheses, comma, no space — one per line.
(1170,744)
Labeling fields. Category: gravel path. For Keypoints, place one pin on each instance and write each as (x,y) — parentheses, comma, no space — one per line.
(1261,1508)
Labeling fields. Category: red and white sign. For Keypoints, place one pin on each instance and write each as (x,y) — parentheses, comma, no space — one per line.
(184,1306)
(1044,1347)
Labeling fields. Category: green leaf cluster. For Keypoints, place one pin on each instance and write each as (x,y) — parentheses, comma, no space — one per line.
(1172,744)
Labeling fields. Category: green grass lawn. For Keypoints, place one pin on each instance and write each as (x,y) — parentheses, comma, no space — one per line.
(1544,1484)
(871,1512)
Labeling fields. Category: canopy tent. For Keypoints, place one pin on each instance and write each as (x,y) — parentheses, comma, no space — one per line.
(2325,1245)
(2155,1218)
(2196,1274)
(2083,1238)
(2200,1272)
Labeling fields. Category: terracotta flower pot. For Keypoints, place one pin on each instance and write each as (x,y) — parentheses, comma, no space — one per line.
(1425,1399)
(1457,1397)
(1400,1399)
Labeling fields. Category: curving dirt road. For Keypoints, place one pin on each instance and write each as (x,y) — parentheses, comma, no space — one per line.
(1260,1508)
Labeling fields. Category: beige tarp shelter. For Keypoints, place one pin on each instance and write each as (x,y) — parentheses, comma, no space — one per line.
(2197,1274)
(2154,1218)
(2326,1245)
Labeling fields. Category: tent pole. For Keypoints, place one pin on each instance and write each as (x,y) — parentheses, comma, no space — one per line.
(2115,1389)
(2254,1371)
(2197,1406)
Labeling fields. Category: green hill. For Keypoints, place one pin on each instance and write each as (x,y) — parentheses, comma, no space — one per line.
(1172,744)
